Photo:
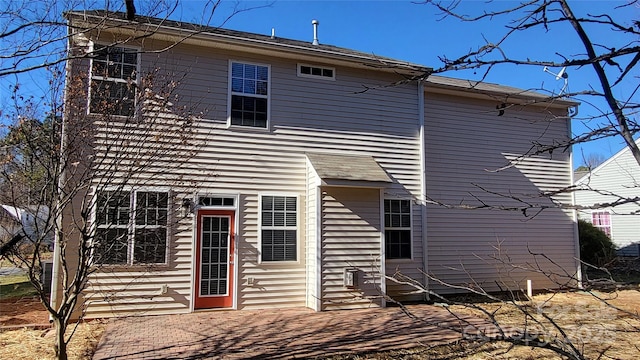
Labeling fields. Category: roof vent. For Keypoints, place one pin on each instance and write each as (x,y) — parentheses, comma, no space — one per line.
(315,24)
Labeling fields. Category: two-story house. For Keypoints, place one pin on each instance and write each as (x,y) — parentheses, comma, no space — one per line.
(317,176)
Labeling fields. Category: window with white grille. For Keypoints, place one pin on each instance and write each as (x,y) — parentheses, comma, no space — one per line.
(602,220)
(249,95)
(279,228)
(318,72)
(114,76)
(131,227)
(397,229)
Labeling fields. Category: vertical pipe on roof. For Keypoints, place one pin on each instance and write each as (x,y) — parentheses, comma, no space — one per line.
(315,24)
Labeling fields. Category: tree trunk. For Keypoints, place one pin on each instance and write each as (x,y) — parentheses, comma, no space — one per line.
(61,345)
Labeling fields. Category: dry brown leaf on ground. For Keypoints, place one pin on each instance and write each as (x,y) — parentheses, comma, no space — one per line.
(38,344)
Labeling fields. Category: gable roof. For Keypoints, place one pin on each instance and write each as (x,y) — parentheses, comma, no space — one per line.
(190,32)
(14,212)
(598,168)
(144,26)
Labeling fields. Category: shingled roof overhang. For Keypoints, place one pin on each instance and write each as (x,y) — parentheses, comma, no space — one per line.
(501,93)
(348,170)
(189,33)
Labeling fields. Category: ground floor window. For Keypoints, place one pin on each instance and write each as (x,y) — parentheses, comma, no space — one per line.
(131,227)
(397,229)
(602,220)
(279,228)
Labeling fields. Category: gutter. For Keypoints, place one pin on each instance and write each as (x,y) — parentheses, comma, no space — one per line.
(512,95)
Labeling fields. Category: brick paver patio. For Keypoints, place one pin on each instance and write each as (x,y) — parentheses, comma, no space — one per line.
(274,334)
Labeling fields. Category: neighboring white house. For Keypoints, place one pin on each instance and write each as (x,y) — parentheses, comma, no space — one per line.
(10,222)
(615,179)
(309,191)
(29,222)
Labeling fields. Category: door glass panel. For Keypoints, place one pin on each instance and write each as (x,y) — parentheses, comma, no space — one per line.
(214,255)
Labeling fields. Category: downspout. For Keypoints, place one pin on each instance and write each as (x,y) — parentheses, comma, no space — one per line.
(576,235)
(423,187)
(318,249)
(383,263)
(53,298)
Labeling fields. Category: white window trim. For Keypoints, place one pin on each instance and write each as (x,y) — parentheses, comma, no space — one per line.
(411,243)
(92,46)
(610,221)
(131,226)
(231,93)
(236,198)
(95,227)
(298,213)
(320,77)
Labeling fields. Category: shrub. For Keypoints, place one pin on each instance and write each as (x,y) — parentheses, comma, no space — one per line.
(596,248)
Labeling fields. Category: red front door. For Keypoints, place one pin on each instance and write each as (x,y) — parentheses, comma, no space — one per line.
(214,259)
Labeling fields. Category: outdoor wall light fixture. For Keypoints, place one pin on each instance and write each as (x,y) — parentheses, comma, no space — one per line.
(187,207)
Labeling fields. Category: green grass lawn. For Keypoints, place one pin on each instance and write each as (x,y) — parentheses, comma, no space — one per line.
(13,286)
(13,279)
(17,285)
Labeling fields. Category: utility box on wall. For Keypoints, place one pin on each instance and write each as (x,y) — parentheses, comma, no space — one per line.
(350,278)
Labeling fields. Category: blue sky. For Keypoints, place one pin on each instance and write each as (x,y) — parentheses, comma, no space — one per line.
(413,32)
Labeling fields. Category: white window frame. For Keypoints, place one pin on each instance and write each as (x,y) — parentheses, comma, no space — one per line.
(93,77)
(235,198)
(131,225)
(296,228)
(231,93)
(97,227)
(602,227)
(321,77)
(403,228)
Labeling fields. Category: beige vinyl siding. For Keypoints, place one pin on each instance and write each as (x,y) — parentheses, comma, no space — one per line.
(306,115)
(619,175)
(465,142)
(117,290)
(351,238)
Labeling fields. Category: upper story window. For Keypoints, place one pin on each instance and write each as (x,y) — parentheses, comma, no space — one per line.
(317,72)
(602,220)
(114,76)
(279,228)
(249,95)
(397,229)
(131,227)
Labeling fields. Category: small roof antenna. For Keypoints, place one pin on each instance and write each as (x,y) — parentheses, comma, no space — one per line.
(561,75)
